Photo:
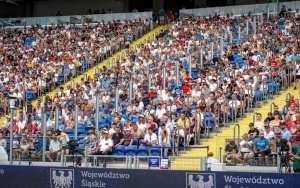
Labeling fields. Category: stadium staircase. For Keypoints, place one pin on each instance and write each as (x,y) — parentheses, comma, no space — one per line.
(220,138)
(108,63)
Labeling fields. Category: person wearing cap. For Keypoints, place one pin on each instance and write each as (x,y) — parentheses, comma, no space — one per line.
(151,122)
(296,157)
(285,133)
(128,137)
(105,147)
(141,123)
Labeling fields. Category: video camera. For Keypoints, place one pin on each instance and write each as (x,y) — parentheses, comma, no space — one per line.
(73,144)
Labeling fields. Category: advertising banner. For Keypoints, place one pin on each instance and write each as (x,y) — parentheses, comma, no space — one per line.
(53,177)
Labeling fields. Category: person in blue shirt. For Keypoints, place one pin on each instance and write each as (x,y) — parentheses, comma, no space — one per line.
(285,133)
(161,13)
(261,148)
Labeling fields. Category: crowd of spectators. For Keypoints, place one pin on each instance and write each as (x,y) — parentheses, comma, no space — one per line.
(228,83)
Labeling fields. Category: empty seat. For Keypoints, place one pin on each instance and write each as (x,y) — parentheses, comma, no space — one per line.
(155,151)
(143,151)
(120,150)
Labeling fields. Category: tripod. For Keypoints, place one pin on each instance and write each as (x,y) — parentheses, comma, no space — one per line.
(285,166)
(30,151)
(76,158)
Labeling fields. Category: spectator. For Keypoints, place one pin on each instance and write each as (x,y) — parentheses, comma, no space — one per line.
(268,133)
(296,162)
(253,132)
(231,150)
(150,138)
(2,141)
(210,160)
(128,137)
(92,145)
(117,137)
(137,134)
(245,148)
(21,150)
(55,149)
(261,148)
(285,133)
(105,147)
(258,122)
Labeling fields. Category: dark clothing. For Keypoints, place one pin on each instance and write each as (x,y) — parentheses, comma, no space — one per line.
(117,138)
(230,148)
(250,132)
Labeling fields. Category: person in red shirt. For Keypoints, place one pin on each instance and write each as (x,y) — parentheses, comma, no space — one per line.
(272,63)
(186,87)
(152,93)
(170,17)
(292,100)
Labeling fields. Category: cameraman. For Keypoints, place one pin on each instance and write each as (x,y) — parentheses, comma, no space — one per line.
(285,148)
(296,162)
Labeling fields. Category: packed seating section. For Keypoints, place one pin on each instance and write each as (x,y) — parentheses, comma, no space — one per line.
(222,86)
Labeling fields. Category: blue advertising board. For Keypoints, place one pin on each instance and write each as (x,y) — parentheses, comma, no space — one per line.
(153,162)
(50,177)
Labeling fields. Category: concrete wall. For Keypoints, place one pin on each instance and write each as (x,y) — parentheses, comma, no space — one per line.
(9,10)
(75,7)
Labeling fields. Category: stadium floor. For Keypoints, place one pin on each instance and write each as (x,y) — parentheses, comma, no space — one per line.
(108,62)
(219,140)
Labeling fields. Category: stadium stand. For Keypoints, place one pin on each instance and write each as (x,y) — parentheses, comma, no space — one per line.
(209,81)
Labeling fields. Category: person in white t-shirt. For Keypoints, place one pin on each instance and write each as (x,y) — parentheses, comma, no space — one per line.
(211,160)
(150,138)
(54,148)
(245,147)
(105,147)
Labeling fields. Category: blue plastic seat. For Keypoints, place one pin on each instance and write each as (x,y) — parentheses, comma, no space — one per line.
(81,131)
(29,95)
(84,66)
(120,150)
(61,78)
(143,151)
(155,151)
(69,131)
